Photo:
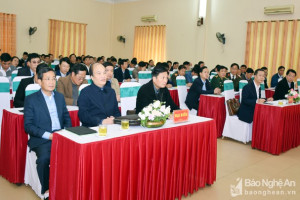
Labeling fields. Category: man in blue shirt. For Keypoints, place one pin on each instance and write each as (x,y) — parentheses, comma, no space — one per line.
(45,112)
(278,76)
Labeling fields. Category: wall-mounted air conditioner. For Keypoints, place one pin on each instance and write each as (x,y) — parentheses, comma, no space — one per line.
(276,10)
(149,18)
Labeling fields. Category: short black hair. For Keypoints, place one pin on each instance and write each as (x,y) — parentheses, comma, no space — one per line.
(113,59)
(47,56)
(202,68)
(234,64)
(40,66)
(65,59)
(106,64)
(122,61)
(186,63)
(86,57)
(99,58)
(78,58)
(73,54)
(175,63)
(196,69)
(14,58)
(43,69)
(157,70)
(169,61)
(142,64)
(281,67)
(181,67)
(78,67)
(264,68)
(220,67)
(150,61)
(32,56)
(258,70)
(244,66)
(200,62)
(133,61)
(25,53)
(249,70)
(5,57)
(291,71)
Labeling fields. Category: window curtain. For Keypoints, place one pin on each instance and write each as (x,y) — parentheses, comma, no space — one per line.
(150,43)
(66,38)
(8,33)
(272,44)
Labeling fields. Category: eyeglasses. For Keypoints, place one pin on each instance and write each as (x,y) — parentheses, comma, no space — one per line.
(49,79)
(80,78)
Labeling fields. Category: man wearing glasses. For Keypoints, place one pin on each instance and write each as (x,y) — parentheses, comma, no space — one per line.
(32,62)
(70,84)
(45,112)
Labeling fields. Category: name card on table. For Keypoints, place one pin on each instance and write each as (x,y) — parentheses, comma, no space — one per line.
(180,115)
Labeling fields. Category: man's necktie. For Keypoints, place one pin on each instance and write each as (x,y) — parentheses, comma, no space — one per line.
(259,93)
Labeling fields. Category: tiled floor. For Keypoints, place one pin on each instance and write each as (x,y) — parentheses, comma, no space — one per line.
(235,160)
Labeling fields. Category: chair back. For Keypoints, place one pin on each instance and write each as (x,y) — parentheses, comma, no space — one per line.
(128,93)
(81,87)
(16,83)
(228,89)
(242,83)
(262,90)
(5,97)
(130,71)
(88,78)
(32,88)
(214,73)
(144,77)
(14,74)
(57,77)
(211,77)
(298,84)
(54,63)
(182,91)
(194,77)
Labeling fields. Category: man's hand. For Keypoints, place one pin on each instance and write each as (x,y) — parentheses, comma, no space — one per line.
(261,101)
(217,91)
(270,99)
(51,136)
(109,120)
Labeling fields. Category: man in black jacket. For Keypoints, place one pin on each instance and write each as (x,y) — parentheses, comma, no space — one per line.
(285,85)
(122,73)
(32,62)
(155,90)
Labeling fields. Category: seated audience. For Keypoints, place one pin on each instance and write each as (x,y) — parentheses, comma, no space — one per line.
(251,95)
(6,68)
(20,93)
(196,70)
(278,76)
(70,84)
(151,65)
(233,76)
(243,72)
(135,72)
(155,90)
(15,61)
(285,85)
(122,73)
(188,75)
(133,63)
(218,80)
(214,70)
(201,64)
(78,61)
(32,62)
(200,86)
(100,60)
(45,112)
(86,63)
(266,75)
(175,66)
(23,60)
(47,60)
(180,72)
(109,68)
(248,74)
(169,64)
(73,60)
(97,102)
(64,67)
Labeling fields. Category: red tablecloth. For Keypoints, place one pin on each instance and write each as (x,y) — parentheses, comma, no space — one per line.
(160,164)
(276,129)
(14,144)
(214,107)
(269,93)
(174,95)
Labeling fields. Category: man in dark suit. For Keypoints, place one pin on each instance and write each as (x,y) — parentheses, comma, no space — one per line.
(248,75)
(45,112)
(155,90)
(32,62)
(285,85)
(20,93)
(234,76)
(266,75)
(122,73)
(64,67)
(251,95)
(200,86)
(243,71)
(278,76)
(97,103)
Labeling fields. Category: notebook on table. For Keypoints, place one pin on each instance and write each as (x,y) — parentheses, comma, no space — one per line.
(81,130)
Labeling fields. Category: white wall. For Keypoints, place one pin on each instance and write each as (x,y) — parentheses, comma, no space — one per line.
(37,12)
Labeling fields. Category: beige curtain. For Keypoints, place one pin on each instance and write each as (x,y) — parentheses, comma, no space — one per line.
(150,43)
(66,38)
(272,44)
(8,33)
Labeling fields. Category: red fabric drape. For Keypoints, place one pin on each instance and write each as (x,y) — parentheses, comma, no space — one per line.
(276,129)
(269,93)
(174,95)
(160,164)
(14,144)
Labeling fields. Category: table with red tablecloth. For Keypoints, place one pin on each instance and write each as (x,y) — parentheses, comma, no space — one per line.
(162,163)
(269,92)
(276,129)
(14,143)
(213,106)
